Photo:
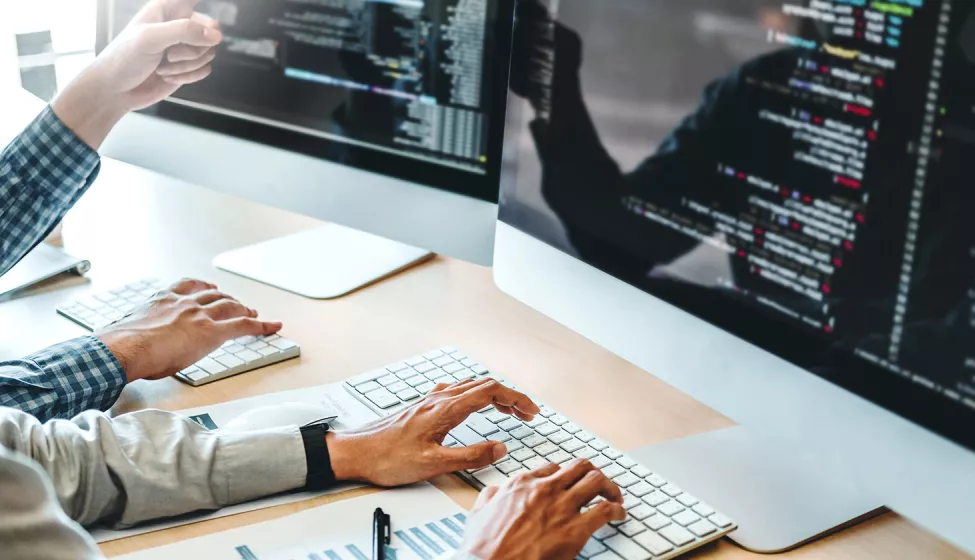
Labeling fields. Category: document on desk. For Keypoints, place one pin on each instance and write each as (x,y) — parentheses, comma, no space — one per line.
(351,413)
(425,525)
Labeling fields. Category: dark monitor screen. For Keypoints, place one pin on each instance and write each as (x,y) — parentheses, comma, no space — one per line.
(413,89)
(796,172)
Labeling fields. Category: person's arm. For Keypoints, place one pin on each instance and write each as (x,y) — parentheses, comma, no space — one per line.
(172,331)
(43,172)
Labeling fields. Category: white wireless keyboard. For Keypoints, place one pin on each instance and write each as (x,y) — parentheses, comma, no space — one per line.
(663,521)
(238,356)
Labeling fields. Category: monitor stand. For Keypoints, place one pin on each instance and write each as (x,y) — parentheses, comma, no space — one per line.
(323,263)
(781,497)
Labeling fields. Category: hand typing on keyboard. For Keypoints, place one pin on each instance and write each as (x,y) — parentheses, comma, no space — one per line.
(177,327)
(407,447)
(543,514)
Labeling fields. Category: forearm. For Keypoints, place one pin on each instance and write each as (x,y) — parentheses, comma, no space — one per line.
(89,108)
(62,381)
(43,172)
(153,464)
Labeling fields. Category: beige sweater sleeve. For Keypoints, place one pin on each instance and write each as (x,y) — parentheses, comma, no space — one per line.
(133,468)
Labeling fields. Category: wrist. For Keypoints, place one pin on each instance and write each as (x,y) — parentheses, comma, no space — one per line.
(117,346)
(89,108)
(341,451)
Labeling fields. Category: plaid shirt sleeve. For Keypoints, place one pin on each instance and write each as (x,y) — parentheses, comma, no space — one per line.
(43,172)
(63,381)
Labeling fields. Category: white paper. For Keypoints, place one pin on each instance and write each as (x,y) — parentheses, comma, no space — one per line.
(351,413)
(425,524)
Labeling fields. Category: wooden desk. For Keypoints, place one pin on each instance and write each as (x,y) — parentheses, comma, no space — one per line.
(134,224)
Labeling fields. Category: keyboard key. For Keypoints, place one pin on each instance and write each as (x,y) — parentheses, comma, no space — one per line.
(702,528)
(197,375)
(234,348)
(496,417)
(424,367)
(433,354)
(466,435)
(559,437)
(685,517)
(642,511)
(453,367)
(479,369)
(257,345)
(559,457)
(425,388)
(546,428)
(670,508)
(442,361)
(268,351)
(626,548)
(511,444)
(677,535)
(415,360)
(720,520)
(245,340)
(490,477)
(545,412)
(508,466)
(672,490)
(535,422)
(632,528)
(546,448)
(481,425)
(605,532)
(640,470)
(612,453)
(415,381)
(510,424)
(397,386)
(656,480)
(464,375)
(368,387)
(655,498)
(613,470)
(629,501)
(585,437)
(387,380)
(443,380)
(640,489)
(229,361)
(703,509)
(382,398)
(655,522)
(625,480)
(522,432)
(534,440)
(406,374)
(600,461)
(654,543)
(408,394)
(586,453)
(522,454)
(558,420)
(592,548)
(687,500)
(248,355)
(217,353)
(397,367)
(626,462)
(534,463)
(571,428)
(210,366)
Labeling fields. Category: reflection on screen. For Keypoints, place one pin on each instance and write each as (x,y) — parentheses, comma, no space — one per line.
(794,171)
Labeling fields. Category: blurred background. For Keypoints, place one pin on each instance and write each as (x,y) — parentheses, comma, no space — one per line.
(44,44)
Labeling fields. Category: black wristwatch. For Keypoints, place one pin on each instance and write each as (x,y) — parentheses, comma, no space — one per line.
(317,458)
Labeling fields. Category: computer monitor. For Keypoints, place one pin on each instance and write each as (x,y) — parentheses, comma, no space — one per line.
(386,116)
(765,203)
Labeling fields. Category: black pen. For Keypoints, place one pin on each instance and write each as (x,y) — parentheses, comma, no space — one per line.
(380,534)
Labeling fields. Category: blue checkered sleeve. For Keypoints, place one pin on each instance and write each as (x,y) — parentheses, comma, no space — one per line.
(43,172)
(63,381)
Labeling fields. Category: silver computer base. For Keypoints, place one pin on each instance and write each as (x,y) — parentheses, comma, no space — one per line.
(781,496)
(322,263)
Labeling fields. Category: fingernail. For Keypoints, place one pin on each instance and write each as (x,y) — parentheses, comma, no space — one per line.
(500,450)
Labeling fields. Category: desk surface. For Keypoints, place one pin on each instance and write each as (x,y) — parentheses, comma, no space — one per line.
(135,224)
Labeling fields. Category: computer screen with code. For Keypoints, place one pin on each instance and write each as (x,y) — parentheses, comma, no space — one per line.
(416,81)
(794,171)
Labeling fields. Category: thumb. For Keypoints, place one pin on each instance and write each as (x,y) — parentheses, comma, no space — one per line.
(160,36)
(473,456)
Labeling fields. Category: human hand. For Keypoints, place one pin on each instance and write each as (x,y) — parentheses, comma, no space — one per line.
(408,447)
(538,515)
(167,45)
(177,328)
